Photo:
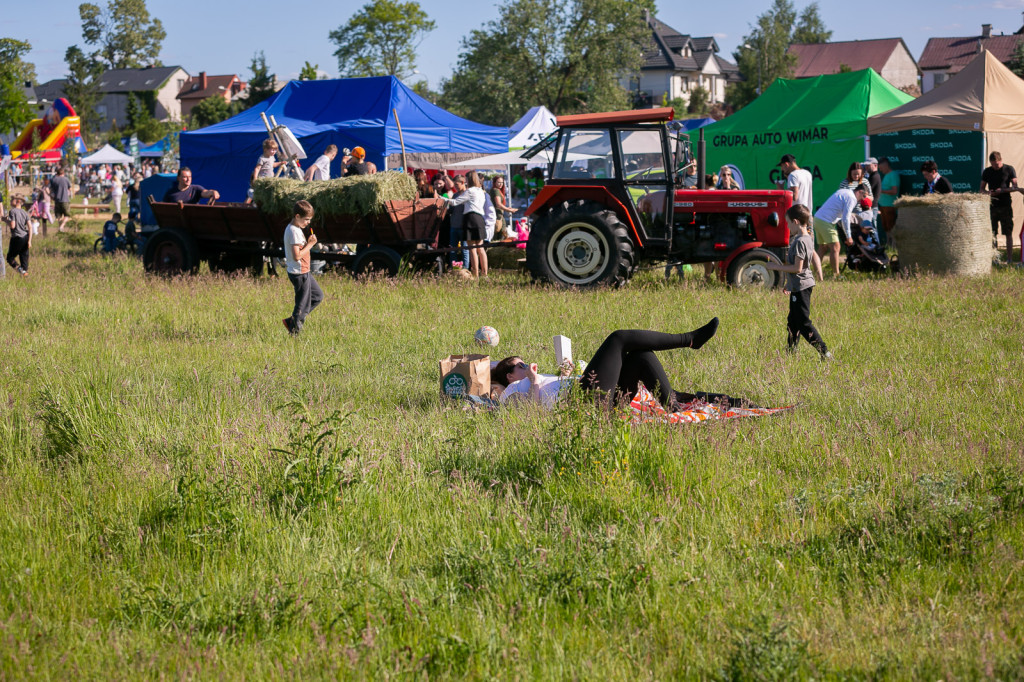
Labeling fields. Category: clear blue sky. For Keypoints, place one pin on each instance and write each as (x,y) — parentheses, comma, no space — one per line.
(221,37)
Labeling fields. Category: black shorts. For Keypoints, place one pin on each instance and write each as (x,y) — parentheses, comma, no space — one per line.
(474,227)
(1001,216)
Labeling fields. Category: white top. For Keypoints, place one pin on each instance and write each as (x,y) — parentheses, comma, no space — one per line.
(474,198)
(838,208)
(549,387)
(490,217)
(322,168)
(802,180)
(293,237)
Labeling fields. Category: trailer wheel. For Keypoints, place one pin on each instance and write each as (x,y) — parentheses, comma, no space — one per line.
(580,246)
(378,259)
(749,271)
(171,252)
(237,261)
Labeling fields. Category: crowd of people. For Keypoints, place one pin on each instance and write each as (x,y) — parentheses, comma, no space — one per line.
(861,213)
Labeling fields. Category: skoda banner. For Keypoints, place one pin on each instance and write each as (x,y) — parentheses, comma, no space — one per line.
(958,154)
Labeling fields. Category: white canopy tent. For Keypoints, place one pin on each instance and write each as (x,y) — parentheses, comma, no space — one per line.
(107,154)
(533,127)
(512,158)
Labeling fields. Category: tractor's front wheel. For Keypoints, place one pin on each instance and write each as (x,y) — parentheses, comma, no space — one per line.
(749,271)
(582,245)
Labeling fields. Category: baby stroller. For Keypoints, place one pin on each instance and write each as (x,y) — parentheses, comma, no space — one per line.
(865,255)
(865,259)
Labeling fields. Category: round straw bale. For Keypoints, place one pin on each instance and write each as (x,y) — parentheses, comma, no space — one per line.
(944,233)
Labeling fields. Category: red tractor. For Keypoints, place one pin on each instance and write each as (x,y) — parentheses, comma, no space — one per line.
(617,196)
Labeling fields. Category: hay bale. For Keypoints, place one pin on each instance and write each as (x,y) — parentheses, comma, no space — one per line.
(356,195)
(944,233)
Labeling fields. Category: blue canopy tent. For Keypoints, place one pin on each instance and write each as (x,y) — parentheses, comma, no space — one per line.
(691,124)
(345,112)
(158,148)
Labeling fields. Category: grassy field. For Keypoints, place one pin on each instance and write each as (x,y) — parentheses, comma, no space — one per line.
(185,491)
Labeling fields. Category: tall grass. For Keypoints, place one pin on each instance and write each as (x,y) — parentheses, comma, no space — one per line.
(185,491)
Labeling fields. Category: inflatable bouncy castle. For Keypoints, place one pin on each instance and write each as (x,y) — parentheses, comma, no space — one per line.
(59,122)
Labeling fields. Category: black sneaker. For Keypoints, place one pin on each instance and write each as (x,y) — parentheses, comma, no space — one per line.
(287,322)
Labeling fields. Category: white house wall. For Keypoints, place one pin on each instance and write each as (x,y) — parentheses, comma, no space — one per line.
(900,69)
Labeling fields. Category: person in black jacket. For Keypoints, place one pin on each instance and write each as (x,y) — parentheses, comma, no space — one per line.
(933,182)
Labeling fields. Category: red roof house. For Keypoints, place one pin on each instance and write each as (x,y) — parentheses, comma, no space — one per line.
(889,57)
(198,88)
(943,57)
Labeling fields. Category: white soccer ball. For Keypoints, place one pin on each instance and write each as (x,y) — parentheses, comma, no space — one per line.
(486,336)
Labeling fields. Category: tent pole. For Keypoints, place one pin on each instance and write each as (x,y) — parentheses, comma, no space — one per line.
(401,141)
(867,149)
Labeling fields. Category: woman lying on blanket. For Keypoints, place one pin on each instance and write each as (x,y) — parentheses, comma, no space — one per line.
(624,360)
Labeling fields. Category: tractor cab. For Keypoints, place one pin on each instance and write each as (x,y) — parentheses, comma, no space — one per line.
(625,160)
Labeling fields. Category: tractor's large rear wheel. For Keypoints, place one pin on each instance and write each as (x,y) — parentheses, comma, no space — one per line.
(580,245)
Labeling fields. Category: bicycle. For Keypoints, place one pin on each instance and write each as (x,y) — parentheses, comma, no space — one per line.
(123,241)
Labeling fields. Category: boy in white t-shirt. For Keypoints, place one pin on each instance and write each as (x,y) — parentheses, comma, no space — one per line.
(308,294)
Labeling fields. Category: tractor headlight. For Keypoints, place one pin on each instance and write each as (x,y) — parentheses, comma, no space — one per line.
(773,219)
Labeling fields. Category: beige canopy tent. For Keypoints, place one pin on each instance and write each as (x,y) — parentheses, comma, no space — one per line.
(984,96)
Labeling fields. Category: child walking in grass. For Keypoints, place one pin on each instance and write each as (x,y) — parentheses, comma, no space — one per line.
(296,252)
(21,237)
(799,263)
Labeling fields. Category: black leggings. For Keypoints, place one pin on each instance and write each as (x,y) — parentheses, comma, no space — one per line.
(626,358)
(18,249)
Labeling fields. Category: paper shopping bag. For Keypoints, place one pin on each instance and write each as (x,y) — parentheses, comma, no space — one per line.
(465,375)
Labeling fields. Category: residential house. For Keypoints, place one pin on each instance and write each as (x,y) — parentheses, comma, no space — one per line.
(943,57)
(675,64)
(49,92)
(889,57)
(156,85)
(198,88)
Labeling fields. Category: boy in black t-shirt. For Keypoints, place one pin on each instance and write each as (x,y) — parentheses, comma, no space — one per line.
(1000,180)
(111,234)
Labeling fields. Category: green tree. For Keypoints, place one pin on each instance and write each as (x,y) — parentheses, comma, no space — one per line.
(1016,63)
(698,105)
(140,120)
(213,109)
(762,56)
(559,53)
(82,89)
(261,83)
(381,39)
(679,106)
(309,72)
(810,27)
(422,88)
(15,111)
(124,35)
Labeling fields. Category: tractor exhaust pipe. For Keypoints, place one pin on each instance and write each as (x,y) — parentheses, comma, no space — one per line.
(701,154)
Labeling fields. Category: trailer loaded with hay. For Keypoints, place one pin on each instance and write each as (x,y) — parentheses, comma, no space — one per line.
(379,214)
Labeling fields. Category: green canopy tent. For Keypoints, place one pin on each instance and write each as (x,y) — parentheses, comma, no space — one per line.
(822,121)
